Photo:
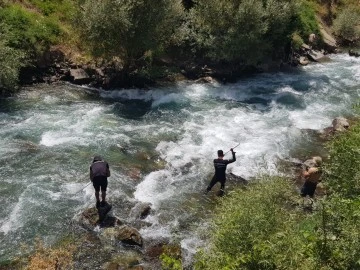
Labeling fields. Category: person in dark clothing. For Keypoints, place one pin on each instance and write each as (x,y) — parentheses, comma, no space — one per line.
(99,172)
(220,167)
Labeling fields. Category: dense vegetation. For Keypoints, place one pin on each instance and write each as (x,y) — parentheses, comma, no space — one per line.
(266,227)
(136,32)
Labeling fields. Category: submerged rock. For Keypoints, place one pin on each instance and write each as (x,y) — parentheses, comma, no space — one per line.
(140,211)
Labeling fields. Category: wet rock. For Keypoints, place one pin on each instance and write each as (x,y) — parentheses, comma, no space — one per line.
(89,219)
(340,124)
(134,173)
(79,76)
(328,40)
(207,79)
(140,211)
(124,234)
(317,56)
(303,61)
(126,261)
(353,53)
(154,251)
(236,178)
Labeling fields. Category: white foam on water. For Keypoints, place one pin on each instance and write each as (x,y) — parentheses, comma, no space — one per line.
(14,220)
(155,187)
(170,98)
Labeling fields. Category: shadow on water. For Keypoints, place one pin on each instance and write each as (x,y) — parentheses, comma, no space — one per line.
(7,105)
(131,109)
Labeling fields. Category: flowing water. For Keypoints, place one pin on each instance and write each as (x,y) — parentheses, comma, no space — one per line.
(159,143)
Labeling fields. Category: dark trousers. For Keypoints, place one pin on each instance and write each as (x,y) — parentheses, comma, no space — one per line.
(214,180)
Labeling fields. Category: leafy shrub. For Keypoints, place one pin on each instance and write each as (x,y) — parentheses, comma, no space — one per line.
(346,25)
(342,171)
(128,28)
(171,258)
(63,9)
(11,60)
(338,238)
(29,31)
(305,22)
(297,41)
(254,229)
(246,30)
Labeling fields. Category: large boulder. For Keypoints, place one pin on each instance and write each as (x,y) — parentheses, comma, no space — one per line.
(328,40)
(124,234)
(340,124)
(79,76)
(317,56)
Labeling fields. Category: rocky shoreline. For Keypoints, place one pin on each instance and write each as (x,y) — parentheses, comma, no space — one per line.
(57,65)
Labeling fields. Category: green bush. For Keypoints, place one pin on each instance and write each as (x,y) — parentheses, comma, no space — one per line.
(29,31)
(297,41)
(11,60)
(171,258)
(305,22)
(346,25)
(244,31)
(63,9)
(342,171)
(255,229)
(338,237)
(128,28)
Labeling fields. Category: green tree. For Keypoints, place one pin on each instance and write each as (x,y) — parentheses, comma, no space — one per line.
(129,28)
(246,30)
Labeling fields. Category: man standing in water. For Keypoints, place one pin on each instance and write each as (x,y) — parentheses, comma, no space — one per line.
(220,167)
(99,172)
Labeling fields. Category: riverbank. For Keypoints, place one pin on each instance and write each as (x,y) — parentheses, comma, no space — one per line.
(183,43)
(265,225)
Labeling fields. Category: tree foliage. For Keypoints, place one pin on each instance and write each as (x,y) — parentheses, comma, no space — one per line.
(347,24)
(246,30)
(128,28)
(11,60)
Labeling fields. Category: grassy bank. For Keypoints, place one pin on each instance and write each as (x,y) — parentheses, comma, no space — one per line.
(266,227)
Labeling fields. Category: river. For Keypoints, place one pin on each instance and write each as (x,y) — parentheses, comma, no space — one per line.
(159,143)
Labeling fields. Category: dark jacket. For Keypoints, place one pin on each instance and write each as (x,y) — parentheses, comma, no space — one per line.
(99,168)
(220,167)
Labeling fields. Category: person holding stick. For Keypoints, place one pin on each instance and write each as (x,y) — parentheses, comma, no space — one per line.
(220,167)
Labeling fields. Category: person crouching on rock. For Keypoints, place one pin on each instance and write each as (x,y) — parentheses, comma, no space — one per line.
(99,172)
(312,178)
(220,167)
